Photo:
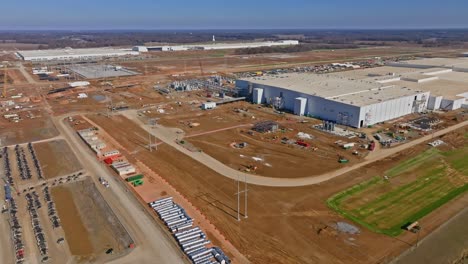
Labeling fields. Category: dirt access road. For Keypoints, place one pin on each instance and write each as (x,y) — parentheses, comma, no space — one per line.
(26,74)
(171,135)
(153,245)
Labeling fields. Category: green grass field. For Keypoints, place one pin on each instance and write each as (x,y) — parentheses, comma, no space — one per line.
(415,188)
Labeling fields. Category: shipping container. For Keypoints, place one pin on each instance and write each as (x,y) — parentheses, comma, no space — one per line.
(134,178)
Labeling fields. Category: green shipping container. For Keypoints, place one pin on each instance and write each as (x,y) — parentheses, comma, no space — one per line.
(134,178)
(137,183)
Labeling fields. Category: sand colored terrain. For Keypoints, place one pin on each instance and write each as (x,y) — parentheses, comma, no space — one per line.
(56,158)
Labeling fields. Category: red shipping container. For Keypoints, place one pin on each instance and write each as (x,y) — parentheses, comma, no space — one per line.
(109,161)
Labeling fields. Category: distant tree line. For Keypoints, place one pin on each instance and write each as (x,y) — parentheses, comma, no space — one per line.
(318,39)
(292,49)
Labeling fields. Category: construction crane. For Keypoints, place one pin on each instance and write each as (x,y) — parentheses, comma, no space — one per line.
(4,81)
(201,67)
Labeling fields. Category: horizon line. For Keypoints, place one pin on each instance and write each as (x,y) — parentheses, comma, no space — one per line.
(229,28)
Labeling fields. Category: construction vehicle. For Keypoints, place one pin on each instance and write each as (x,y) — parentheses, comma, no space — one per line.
(250,168)
(372,146)
(342,159)
(414,227)
(302,143)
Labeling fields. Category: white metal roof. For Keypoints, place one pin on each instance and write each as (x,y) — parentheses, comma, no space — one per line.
(336,88)
(74,52)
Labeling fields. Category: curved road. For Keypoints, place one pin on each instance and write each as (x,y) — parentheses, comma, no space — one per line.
(170,135)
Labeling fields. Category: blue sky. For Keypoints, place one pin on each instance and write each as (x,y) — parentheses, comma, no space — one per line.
(233,14)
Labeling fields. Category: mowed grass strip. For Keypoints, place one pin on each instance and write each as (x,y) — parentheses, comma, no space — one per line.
(385,207)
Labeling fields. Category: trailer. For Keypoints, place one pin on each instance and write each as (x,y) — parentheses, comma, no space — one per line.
(162,205)
(174,210)
(199,253)
(187,235)
(175,222)
(203,259)
(182,226)
(194,242)
(196,232)
(162,200)
(220,256)
(188,231)
(195,245)
(159,206)
(171,212)
(174,216)
(191,237)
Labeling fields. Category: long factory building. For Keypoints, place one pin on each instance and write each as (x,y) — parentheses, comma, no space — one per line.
(365,97)
(216,46)
(73,54)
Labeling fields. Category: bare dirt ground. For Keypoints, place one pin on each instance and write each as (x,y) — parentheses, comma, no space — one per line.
(185,116)
(277,159)
(28,130)
(156,187)
(188,63)
(56,158)
(99,229)
(76,234)
(287,221)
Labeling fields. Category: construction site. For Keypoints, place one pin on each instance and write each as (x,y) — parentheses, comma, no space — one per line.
(178,157)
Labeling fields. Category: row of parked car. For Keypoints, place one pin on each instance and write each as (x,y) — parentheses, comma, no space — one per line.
(16,232)
(15,227)
(25,171)
(33,204)
(36,161)
(51,211)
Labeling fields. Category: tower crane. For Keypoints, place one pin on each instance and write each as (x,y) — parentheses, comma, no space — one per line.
(4,81)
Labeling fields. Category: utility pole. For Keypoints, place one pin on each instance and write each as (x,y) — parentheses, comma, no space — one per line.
(238,200)
(239,192)
(151,123)
(149,145)
(245,192)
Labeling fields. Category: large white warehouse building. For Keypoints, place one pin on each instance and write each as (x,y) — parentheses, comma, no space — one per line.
(73,54)
(344,101)
(217,46)
(365,97)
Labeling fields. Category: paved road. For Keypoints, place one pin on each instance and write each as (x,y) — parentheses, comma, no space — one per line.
(153,245)
(26,75)
(170,135)
(444,245)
